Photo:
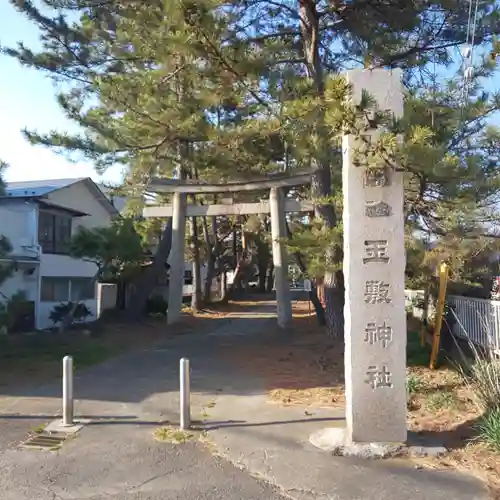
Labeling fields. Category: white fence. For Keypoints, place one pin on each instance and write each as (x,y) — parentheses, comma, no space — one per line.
(477,320)
(413,299)
(413,295)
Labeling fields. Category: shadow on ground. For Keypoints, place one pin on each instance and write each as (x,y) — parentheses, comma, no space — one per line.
(134,376)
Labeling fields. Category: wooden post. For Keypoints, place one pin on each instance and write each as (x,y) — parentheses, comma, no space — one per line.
(443,281)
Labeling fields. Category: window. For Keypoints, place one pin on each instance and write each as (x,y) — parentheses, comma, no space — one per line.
(188,277)
(54,232)
(46,232)
(54,289)
(82,289)
(65,289)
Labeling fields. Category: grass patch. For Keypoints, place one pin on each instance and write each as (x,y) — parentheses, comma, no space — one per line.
(414,384)
(44,347)
(489,429)
(173,435)
(36,357)
(39,428)
(441,400)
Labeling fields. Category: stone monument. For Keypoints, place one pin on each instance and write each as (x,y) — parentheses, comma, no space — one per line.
(374,266)
(374,271)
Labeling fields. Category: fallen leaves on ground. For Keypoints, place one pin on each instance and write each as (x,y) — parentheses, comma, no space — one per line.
(308,371)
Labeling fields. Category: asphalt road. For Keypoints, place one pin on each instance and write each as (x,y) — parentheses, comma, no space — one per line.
(118,457)
(123,461)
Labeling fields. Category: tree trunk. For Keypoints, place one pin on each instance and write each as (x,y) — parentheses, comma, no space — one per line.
(196,297)
(120,293)
(426,300)
(210,262)
(313,294)
(270,277)
(237,285)
(262,277)
(223,287)
(235,246)
(321,186)
(147,280)
(263,258)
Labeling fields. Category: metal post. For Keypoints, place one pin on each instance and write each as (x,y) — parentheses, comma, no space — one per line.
(68,405)
(185,394)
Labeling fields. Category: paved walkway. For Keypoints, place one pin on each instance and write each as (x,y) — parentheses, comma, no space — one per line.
(130,396)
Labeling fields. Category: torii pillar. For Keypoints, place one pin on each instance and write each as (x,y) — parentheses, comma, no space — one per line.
(176,282)
(280,257)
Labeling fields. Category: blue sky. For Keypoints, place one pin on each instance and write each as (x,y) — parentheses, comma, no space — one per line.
(27,99)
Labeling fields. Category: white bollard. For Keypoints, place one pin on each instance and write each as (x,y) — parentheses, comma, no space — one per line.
(68,405)
(185,394)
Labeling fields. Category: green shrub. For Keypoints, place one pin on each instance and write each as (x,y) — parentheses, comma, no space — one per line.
(14,309)
(485,382)
(417,355)
(18,307)
(489,429)
(156,304)
(60,311)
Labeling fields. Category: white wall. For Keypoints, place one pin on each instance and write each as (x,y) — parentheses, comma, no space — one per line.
(78,197)
(65,266)
(106,297)
(18,222)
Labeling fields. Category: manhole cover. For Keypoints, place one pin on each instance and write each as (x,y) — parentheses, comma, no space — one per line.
(45,441)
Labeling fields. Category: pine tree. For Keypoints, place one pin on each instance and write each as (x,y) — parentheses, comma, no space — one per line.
(265,72)
(453,179)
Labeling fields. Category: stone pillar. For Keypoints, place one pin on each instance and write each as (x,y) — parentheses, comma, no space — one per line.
(374,266)
(176,260)
(278,232)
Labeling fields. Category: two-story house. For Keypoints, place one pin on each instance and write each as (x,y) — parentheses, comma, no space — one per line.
(38,218)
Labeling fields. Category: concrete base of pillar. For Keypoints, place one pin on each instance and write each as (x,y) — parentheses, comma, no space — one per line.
(335,440)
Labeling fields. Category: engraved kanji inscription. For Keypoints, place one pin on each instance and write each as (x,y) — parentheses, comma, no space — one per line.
(376,177)
(379,379)
(377,209)
(377,292)
(376,251)
(378,333)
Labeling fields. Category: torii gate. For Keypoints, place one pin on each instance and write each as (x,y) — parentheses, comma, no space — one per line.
(277,206)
